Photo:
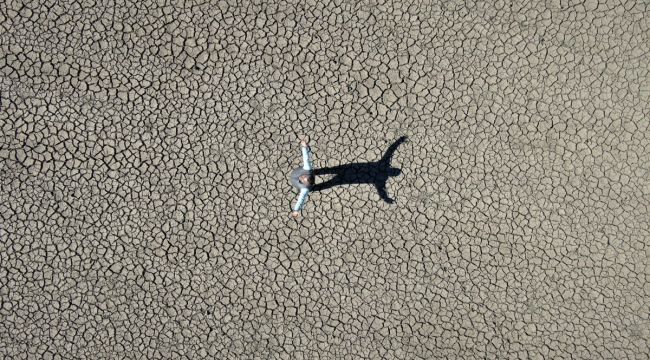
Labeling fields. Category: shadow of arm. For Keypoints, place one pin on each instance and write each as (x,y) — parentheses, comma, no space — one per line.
(385,160)
(381,189)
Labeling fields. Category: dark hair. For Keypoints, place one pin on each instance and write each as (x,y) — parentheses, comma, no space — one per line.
(310,180)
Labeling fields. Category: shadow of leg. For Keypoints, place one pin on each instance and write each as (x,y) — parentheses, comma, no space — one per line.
(327,184)
(329,170)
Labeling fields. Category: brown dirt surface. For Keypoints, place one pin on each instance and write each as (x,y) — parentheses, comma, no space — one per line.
(145,148)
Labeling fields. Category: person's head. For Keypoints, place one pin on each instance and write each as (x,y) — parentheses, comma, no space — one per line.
(306,180)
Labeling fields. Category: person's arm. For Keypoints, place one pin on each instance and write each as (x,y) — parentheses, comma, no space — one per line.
(302,197)
(306,155)
(301,200)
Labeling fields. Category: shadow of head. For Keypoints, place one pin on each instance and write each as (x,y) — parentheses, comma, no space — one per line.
(394,172)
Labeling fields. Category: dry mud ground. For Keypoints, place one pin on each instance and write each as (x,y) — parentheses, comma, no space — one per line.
(144,197)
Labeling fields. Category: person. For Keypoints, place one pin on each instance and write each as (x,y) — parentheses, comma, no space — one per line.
(302,178)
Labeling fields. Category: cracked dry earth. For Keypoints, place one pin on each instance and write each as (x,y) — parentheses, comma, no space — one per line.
(144,197)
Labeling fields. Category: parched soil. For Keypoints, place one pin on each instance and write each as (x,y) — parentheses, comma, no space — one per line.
(145,149)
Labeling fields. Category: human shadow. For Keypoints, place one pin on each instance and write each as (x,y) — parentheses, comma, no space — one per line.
(376,172)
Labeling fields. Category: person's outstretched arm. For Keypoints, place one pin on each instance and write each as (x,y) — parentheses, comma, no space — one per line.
(302,197)
(306,155)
